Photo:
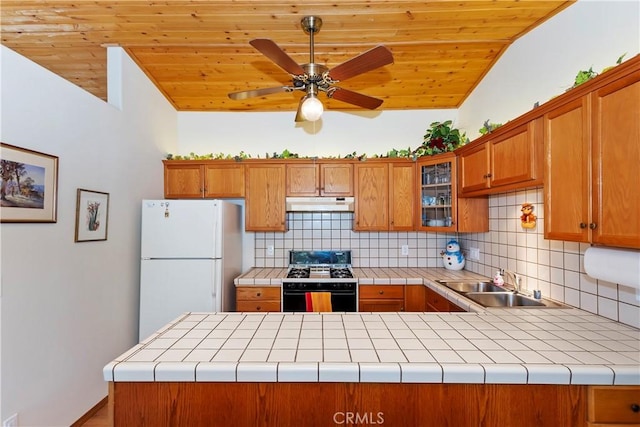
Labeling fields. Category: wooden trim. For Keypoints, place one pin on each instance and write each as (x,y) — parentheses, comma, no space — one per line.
(91,412)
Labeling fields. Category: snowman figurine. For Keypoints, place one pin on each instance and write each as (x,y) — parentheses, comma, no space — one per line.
(452,257)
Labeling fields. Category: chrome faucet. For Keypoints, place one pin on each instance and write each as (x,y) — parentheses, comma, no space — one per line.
(516,278)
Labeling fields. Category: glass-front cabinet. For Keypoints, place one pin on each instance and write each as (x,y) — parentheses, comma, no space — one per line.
(437,187)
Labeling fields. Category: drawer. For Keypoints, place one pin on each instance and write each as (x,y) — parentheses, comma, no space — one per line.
(258,305)
(614,404)
(249,293)
(381,291)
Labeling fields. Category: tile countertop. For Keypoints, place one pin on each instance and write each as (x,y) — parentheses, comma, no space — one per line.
(258,276)
(498,346)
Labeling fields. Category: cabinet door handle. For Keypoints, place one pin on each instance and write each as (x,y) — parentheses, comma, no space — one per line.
(258,308)
(583,225)
(593,226)
(635,407)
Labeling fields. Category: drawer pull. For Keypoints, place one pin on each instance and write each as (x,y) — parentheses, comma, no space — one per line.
(259,294)
(258,308)
(635,407)
(381,292)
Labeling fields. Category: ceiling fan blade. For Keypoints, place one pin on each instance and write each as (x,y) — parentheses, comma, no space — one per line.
(367,61)
(244,94)
(272,51)
(355,98)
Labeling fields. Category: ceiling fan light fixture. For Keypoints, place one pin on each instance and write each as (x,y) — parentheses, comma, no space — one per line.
(311,108)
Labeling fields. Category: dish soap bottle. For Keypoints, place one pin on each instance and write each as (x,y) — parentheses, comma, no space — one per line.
(498,279)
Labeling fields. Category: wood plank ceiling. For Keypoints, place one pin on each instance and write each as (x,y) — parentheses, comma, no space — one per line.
(197,51)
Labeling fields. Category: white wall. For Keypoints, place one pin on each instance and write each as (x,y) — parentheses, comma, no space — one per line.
(544,63)
(69,308)
(335,134)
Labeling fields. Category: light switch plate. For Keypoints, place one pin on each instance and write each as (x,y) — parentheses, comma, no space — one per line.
(405,249)
(474,254)
(270,250)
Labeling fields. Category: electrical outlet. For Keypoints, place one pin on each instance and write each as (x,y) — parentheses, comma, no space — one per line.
(12,421)
(270,250)
(474,254)
(404,249)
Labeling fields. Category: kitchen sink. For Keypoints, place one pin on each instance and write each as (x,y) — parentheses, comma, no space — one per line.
(510,299)
(485,293)
(464,286)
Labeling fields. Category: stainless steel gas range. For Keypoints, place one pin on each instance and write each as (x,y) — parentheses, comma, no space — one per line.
(320,271)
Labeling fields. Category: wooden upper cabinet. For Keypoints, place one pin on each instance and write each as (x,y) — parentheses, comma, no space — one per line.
(567,176)
(336,179)
(475,164)
(402,194)
(192,179)
(509,160)
(183,180)
(385,195)
(224,180)
(319,179)
(592,147)
(265,197)
(371,196)
(616,160)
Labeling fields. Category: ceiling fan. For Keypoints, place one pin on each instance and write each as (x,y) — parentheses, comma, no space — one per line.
(313,78)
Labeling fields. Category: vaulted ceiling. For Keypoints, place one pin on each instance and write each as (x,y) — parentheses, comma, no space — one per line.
(197,51)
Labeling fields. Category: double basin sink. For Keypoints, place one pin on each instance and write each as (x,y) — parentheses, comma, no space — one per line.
(487,294)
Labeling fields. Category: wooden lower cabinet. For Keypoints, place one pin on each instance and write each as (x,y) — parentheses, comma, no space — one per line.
(253,298)
(436,302)
(613,405)
(381,298)
(214,404)
(414,298)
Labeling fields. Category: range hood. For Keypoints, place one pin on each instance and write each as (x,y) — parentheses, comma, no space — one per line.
(320,204)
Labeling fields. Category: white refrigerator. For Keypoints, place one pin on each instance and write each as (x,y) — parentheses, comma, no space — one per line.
(191,250)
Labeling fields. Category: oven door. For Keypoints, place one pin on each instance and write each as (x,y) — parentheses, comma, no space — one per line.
(293,300)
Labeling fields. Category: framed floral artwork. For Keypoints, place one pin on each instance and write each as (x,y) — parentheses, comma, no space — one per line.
(28,186)
(92,215)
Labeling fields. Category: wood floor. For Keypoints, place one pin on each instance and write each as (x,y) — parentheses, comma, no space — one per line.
(99,419)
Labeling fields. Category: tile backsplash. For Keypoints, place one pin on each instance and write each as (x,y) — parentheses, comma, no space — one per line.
(333,231)
(554,267)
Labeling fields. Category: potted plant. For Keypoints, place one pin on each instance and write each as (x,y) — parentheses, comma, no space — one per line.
(440,137)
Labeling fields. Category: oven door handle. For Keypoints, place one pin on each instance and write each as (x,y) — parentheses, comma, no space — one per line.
(332,291)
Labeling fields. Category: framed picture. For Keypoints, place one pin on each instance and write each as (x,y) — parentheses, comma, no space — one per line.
(29,186)
(92,215)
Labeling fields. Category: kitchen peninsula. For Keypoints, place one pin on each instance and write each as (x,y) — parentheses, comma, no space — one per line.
(485,367)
